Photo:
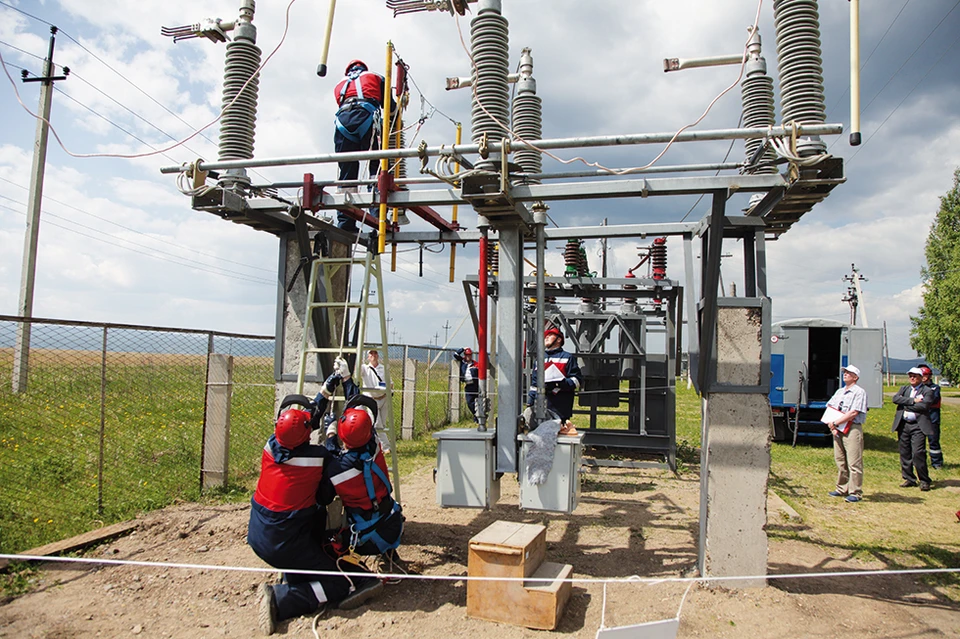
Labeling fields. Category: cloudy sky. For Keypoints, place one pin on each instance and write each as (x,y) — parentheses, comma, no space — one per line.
(119,243)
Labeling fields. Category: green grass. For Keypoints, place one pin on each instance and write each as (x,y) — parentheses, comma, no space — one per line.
(900,527)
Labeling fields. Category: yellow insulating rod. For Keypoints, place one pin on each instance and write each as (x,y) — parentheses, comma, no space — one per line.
(322,67)
(385,145)
(453,246)
(401,104)
(854,72)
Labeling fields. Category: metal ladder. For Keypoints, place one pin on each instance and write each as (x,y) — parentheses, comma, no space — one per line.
(326,268)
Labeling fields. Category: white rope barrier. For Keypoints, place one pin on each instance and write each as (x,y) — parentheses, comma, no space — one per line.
(635,579)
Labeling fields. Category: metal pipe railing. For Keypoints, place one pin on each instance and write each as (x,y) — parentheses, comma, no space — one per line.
(516,145)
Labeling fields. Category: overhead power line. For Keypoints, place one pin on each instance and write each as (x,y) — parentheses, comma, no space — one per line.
(139,248)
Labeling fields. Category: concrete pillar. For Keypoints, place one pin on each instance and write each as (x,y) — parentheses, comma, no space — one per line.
(453,389)
(735,454)
(409,397)
(216,422)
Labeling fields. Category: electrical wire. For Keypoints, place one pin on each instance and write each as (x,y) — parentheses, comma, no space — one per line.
(168,148)
(597,165)
(133,230)
(846,89)
(896,108)
(197,265)
(897,72)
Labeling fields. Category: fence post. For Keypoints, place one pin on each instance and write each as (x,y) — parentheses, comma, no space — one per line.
(426,396)
(409,395)
(103,419)
(454,388)
(216,421)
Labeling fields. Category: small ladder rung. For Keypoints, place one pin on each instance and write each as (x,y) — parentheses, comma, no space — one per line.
(333,305)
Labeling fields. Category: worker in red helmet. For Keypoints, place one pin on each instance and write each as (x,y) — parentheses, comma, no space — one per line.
(469,377)
(359,100)
(287,517)
(357,471)
(562,377)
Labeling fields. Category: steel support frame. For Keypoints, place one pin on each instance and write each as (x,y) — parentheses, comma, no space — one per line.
(509,345)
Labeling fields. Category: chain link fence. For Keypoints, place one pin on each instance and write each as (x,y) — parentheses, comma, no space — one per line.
(108,420)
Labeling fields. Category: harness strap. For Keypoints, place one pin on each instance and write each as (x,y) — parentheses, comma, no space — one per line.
(361,131)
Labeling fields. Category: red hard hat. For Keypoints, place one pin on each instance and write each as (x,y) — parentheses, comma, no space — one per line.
(468,351)
(926,370)
(354,63)
(293,428)
(553,330)
(355,428)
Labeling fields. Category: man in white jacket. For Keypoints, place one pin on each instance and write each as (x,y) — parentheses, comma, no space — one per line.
(375,386)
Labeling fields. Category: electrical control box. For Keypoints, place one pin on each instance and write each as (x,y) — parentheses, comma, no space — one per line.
(561,491)
(466,468)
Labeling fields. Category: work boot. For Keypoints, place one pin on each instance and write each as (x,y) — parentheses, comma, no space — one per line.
(366,588)
(266,609)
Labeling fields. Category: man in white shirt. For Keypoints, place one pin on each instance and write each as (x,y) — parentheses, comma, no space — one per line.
(847,429)
(374,385)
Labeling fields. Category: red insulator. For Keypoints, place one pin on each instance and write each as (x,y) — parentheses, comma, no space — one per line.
(630,276)
(658,258)
(571,256)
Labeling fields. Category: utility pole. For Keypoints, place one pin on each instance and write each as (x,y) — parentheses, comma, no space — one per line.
(854,296)
(446,331)
(389,319)
(21,348)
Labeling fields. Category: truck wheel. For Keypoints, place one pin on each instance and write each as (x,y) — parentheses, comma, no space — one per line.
(781,432)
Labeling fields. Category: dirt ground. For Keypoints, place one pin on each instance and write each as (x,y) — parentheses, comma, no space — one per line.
(641,522)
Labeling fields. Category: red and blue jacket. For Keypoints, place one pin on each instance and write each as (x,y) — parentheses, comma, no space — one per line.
(560,394)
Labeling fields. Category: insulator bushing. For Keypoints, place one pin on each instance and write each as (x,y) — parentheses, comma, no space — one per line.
(583,268)
(493,258)
(756,92)
(800,65)
(658,258)
(238,124)
(527,122)
(490,44)
(571,257)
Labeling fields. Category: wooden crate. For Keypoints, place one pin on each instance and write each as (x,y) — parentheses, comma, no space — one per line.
(515,550)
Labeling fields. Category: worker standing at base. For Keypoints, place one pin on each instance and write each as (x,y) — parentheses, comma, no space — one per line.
(288,519)
(359,97)
(469,377)
(562,377)
(373,377)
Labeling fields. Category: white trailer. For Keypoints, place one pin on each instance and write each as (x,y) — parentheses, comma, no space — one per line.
(806,358)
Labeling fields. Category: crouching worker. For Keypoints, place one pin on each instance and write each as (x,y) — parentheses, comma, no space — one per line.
(357,472)
(287,521)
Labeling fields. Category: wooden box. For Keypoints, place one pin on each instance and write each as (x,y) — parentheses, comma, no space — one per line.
(515,550)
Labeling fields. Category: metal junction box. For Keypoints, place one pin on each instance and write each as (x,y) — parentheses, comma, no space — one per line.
(561,492)
(466,468)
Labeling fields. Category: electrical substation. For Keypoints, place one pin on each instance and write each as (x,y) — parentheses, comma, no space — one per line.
(625,330)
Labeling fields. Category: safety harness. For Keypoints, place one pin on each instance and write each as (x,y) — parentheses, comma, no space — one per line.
(364,530)
(371,109)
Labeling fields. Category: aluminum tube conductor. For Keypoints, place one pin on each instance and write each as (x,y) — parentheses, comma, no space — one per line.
(540,404)
(481,404)
(556,143)
(675,168)
(463,83)
(679,64)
